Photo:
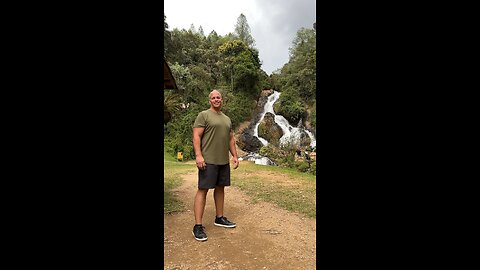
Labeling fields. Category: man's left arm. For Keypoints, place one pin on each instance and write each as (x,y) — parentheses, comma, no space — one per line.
(233,150)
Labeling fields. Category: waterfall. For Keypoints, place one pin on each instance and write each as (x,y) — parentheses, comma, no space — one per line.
(268,107)
(290,133)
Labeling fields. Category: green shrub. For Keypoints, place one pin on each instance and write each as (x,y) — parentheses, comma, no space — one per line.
(188,152)
(313,168)
(290,106)
(303,167)
(169,147)
(179,131)
(297,164)
(283,157)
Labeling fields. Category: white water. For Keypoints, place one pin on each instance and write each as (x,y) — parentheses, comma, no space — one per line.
(257,158)
(290,133)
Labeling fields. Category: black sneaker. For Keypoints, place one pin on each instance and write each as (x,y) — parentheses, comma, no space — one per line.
(224,222)
(198,233)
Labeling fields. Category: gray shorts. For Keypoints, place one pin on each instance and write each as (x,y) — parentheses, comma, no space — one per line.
(214,175)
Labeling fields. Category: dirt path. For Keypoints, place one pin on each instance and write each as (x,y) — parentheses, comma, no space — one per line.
(266,237)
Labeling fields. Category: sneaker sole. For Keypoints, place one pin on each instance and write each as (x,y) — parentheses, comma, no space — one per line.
(200,239)
(225,226)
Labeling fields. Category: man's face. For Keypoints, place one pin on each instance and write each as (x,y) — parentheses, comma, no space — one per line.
(216,100)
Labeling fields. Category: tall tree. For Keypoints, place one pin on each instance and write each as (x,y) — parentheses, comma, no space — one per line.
(241,66)
(200,31)
(192,28)
(242,31)
(166,35)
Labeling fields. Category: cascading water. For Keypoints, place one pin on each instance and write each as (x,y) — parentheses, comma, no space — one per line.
(290,134)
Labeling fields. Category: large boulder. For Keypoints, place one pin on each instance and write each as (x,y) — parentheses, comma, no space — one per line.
(266,92)
(246,141)
(257,112)
(249,143)
(304,138)
(269,130)
(299,137)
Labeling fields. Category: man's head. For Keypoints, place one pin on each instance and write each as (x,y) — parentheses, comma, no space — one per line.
(215,99)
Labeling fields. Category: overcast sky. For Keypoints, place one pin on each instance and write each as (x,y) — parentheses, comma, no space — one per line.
(273,23)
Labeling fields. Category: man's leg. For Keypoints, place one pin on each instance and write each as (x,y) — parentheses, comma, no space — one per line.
(199,205)
(219,197)
(220,220)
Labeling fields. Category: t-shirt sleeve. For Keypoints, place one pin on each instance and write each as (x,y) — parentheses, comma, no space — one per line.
(232,127)
(200,121)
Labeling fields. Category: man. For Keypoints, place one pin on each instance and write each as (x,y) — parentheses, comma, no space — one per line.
(213,138)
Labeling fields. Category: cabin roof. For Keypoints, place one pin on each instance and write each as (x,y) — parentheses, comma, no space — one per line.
(168,79)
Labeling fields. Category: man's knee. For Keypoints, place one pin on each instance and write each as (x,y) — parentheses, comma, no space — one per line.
(202,192)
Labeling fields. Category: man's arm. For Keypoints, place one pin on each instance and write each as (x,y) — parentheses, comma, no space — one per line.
(197,135)
(233,150)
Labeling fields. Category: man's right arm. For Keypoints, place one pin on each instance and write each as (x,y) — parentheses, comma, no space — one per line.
(197,135)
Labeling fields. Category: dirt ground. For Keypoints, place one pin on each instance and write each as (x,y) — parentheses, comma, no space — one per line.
(266,237)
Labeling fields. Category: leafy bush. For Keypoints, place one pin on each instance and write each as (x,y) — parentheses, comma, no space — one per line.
(290,106)
(298,163)
(188,152)
(284,157)
(178,132)
(313,168)
(169,146)
(303,167)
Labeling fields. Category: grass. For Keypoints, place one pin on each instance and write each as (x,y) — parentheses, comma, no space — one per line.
(172,172)
(284,187)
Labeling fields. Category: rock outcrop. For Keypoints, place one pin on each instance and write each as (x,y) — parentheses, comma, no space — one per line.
(269,130)
(249,143)
(246,141)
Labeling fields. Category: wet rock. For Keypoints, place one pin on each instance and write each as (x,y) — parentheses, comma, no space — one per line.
(270,130)
(304,138)
(266,92)
(248,143)
(257,112)
(300,123)
(259,107)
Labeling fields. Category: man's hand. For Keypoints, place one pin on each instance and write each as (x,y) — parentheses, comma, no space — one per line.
(200,163)
(235,163)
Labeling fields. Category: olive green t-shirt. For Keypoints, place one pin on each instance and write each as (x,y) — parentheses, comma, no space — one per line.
(215,140)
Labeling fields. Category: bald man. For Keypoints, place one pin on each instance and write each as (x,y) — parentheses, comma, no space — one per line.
(213,139)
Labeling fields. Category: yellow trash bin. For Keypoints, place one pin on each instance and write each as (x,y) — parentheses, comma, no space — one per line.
(180,156)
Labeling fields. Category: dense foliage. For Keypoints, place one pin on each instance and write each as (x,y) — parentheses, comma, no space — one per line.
(285,157)
(297,80)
